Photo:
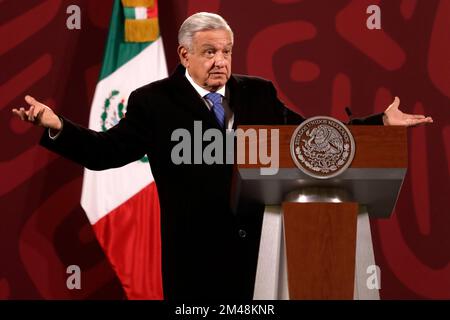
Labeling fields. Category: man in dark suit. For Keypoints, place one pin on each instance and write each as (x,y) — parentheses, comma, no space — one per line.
(208,251)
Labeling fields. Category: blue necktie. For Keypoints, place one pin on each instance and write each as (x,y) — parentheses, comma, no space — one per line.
(217,107)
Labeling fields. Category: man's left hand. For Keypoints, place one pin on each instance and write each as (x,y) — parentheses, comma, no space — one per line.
(394,117)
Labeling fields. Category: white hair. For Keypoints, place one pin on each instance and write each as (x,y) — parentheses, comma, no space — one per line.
(200,21)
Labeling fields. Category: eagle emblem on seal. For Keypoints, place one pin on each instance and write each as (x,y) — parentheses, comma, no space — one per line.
(322,147)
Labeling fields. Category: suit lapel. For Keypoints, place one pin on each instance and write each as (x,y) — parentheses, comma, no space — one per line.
(189,99)
(238,99)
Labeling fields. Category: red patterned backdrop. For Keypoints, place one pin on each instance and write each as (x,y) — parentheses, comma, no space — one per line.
(320,55)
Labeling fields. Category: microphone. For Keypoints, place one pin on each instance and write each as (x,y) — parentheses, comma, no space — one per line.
(349,114)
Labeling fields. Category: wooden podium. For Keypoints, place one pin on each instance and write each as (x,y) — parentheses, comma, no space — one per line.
(315,240)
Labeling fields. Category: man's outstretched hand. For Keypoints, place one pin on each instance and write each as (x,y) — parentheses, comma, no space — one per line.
(39,114)
(394,117)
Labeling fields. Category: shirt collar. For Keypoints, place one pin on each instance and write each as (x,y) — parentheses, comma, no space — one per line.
(202,91)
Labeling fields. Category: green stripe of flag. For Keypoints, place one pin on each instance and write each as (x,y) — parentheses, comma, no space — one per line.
(130,12)
(118,52)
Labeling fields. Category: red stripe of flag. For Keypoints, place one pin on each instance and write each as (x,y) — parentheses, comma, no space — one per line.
(152,12)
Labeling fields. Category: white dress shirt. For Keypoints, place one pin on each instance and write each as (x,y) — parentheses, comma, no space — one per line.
(229,116)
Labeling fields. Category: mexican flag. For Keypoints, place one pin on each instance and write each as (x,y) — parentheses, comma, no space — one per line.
(122,203)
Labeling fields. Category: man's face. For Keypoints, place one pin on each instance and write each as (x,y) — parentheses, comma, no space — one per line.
(209,60)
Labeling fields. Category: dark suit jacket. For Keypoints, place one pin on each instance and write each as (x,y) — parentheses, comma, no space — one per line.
(205,254)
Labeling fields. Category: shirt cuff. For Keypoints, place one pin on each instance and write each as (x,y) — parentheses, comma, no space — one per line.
(54,136)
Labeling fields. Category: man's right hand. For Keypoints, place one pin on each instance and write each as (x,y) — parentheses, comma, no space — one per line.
(39,114)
